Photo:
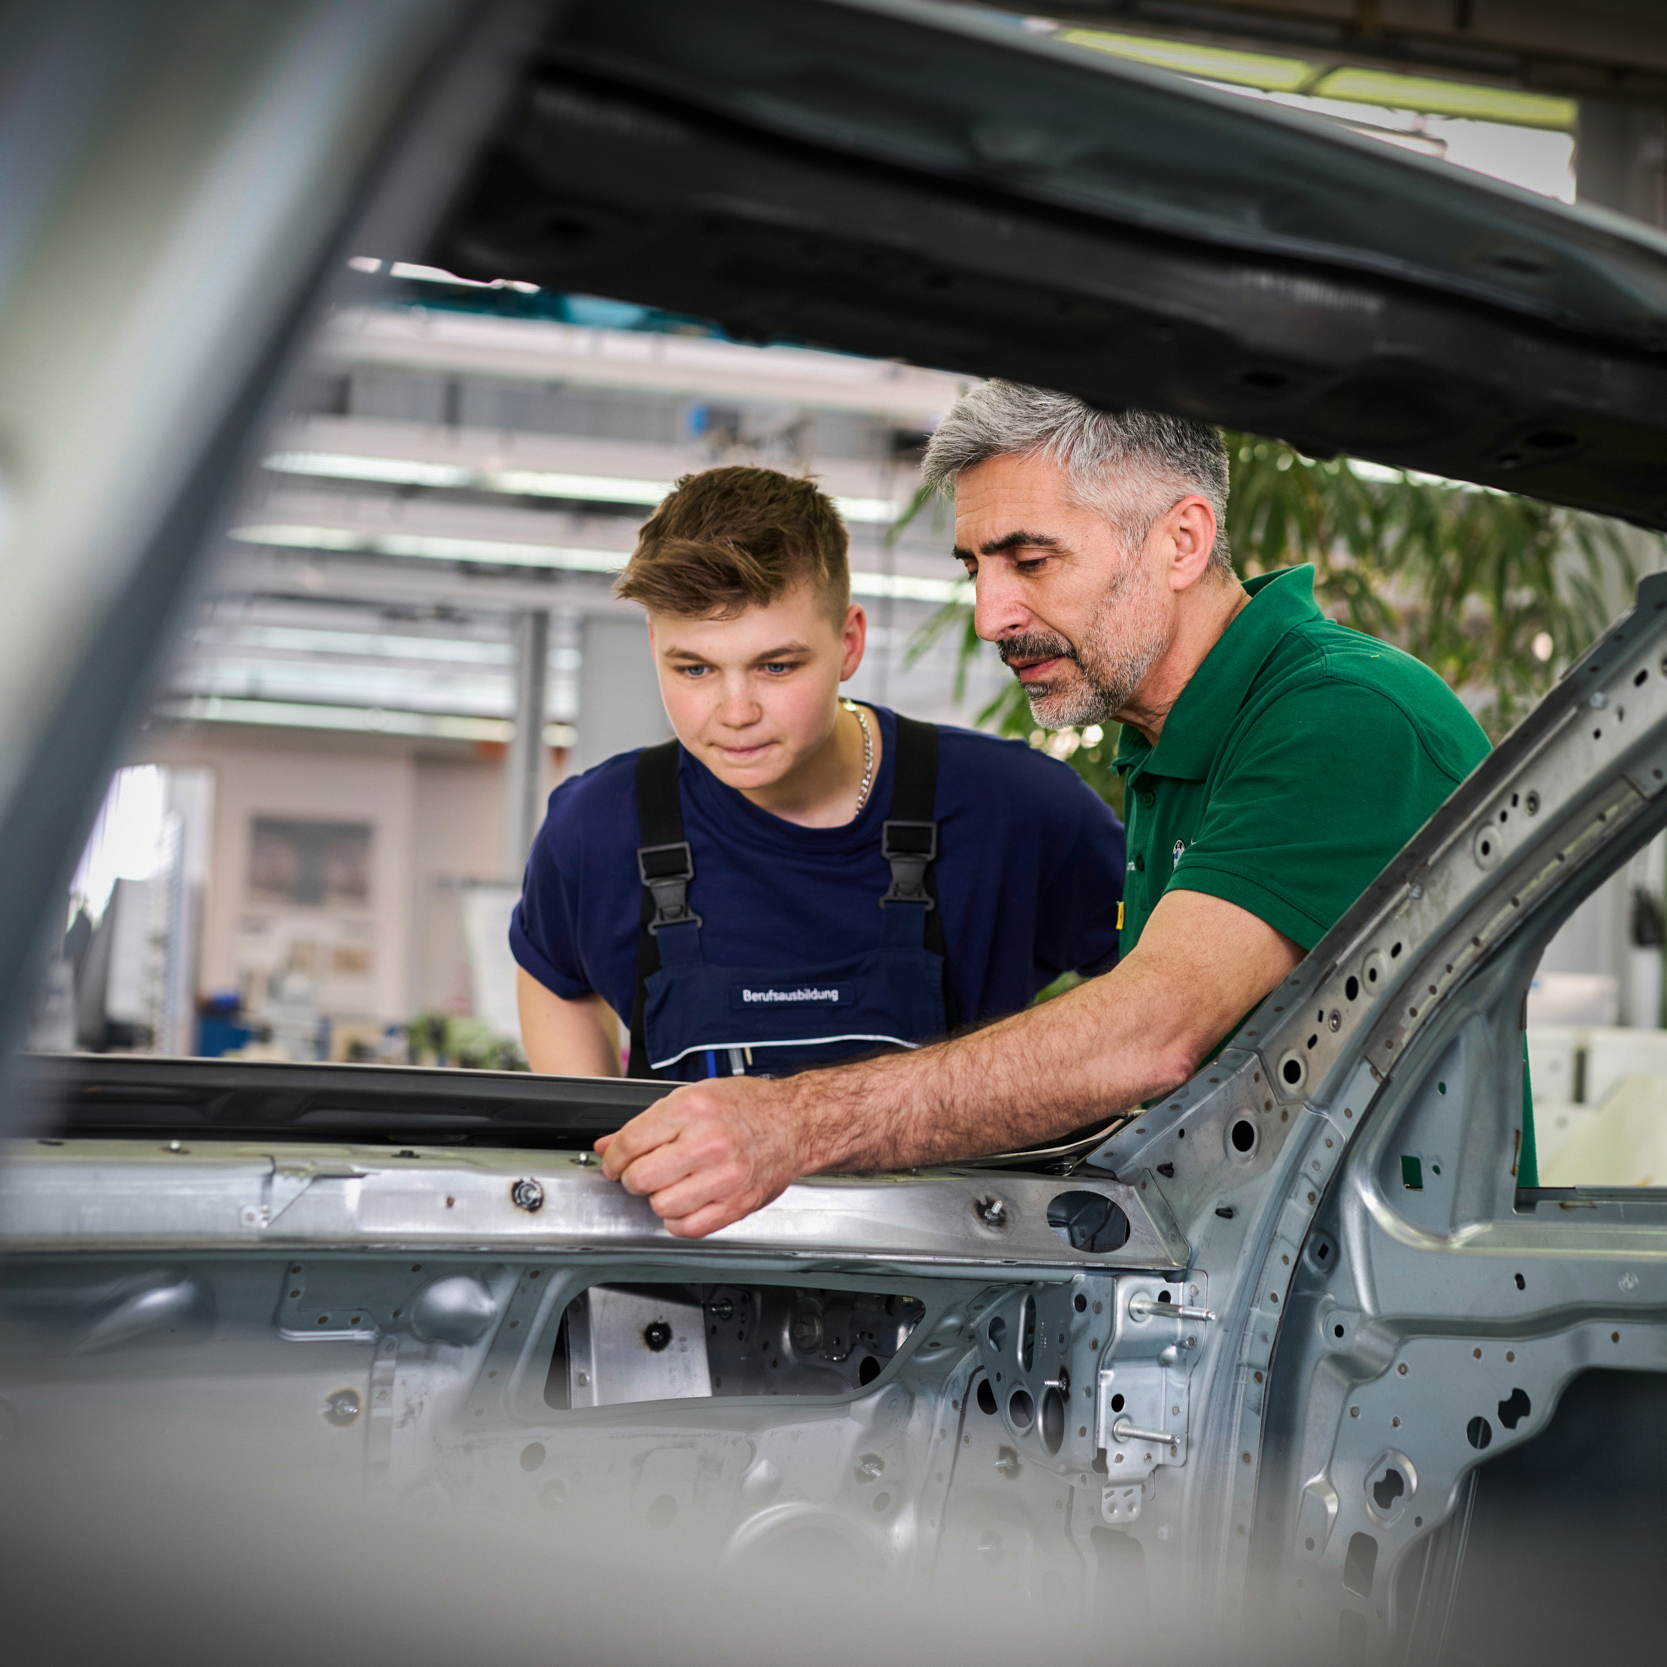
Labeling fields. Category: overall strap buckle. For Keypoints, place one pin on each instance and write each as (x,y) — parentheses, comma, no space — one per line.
(910,848)
(666,871)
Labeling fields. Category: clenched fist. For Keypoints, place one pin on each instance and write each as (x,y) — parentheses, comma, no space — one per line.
(710,1152)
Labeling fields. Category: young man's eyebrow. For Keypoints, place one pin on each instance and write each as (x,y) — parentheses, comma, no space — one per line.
(674,651)
(1019,540)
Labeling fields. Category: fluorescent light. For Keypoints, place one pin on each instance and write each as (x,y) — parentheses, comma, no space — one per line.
(344,682)
(494,550)
(498,552)
(1212,63)
(392,471)
(288,535)
(1382,88)
(298,639)
(1448,98)
(301,538)
(542,483)
(530,483)
(291,714)
(368,720)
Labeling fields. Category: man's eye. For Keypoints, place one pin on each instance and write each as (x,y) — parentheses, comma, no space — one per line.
(694,671)
(776,667)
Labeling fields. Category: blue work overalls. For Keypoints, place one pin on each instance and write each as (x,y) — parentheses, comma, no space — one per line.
(692,1019)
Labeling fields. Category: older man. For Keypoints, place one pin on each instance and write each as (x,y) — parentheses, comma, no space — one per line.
(1274,762)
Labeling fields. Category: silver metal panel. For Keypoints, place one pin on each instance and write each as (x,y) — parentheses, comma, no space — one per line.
(631,1345)
(110,1194)
(1281,1161)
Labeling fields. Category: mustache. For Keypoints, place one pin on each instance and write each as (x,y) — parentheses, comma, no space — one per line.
(1034,646)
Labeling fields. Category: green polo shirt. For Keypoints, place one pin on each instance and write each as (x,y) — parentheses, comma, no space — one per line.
(1298,760)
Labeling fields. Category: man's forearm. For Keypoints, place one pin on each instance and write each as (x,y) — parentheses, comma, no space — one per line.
(1020,1081)
(1105,1047)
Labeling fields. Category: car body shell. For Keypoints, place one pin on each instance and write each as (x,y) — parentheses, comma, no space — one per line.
(1225,1347)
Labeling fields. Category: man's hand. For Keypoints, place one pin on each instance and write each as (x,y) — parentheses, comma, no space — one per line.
(709,1153)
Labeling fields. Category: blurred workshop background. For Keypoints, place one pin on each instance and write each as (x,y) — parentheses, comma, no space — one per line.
(409,638)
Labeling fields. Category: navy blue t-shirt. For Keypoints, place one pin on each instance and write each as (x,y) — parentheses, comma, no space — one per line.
(1029,874)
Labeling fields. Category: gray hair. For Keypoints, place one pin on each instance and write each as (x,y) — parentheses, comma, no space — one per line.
(1172,456)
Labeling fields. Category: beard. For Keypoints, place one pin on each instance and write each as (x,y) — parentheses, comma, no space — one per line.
(1097,676)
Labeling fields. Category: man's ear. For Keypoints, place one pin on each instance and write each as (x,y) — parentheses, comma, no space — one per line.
(853,640)
(1189,535)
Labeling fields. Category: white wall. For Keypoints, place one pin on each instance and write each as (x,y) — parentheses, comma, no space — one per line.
(458,812)
(279,781)
(434,817)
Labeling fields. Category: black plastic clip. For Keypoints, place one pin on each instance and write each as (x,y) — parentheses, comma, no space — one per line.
(667,871)
(910,848)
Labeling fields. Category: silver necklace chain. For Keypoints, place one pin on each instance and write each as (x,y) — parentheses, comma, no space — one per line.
(867,752)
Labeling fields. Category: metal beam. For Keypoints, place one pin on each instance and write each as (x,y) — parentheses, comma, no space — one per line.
(524,769)
(227,1195)
(619,695)
(1620,162)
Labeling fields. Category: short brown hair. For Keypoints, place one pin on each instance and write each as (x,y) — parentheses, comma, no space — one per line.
(733,538)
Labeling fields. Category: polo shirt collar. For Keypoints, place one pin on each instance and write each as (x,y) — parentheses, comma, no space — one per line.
(1199,720)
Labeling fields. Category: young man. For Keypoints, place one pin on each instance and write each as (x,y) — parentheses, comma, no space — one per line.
(795,879)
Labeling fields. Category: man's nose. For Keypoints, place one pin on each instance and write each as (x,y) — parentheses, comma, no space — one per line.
(998,609)
(737,706)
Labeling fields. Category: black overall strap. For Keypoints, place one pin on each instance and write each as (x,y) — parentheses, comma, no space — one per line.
(666,868)
(909,838)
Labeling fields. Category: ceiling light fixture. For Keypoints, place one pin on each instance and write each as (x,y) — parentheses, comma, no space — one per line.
(368,720)
(1386,89)
(500,553)
(529,483)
